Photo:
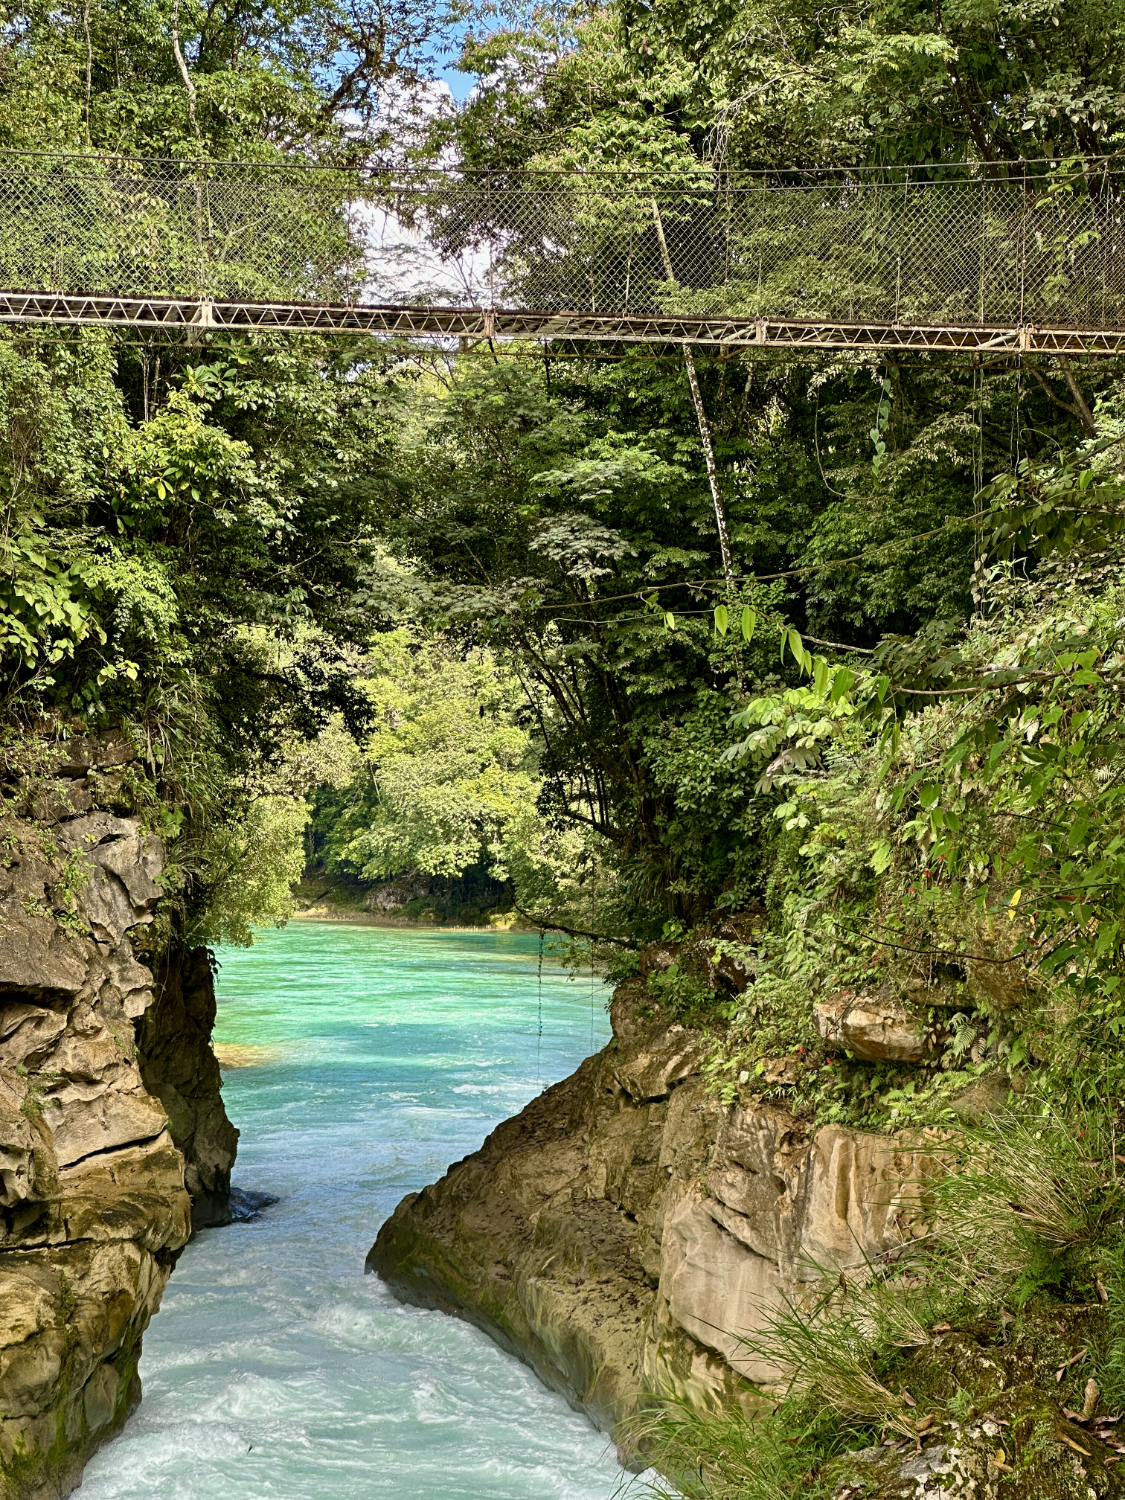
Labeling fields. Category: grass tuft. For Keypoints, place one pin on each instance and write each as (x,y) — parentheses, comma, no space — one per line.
(731,1456)
(1029,1204)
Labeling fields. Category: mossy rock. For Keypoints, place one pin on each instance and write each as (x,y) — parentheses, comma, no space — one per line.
(1011,1382)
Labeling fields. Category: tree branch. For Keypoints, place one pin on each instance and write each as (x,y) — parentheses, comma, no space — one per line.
(189,82)
(1066,406)
(1085,415)
(551,926)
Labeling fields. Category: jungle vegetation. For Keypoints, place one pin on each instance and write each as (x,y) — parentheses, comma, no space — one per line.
(473,607)
(468,613)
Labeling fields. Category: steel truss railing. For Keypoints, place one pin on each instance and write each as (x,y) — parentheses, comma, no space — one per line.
(942,258)
(483,323)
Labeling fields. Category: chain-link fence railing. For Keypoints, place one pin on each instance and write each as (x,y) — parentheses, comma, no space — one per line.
(971,249)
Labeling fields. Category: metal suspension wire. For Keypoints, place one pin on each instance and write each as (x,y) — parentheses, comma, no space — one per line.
(539,1030)
(966,258)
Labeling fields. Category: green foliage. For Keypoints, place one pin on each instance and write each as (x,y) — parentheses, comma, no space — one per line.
(263,82)
(975,842)
(45,604)
(562,521)
(894,83)
(448,783)
(1071,507)
(448,774)
(686,997)
(186,573)
(249,875)
(179,545)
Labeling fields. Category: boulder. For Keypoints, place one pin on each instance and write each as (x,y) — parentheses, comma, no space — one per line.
(998,984)
(665,1058)
(60,799)
(38,958)
(86,752)
(28,1032)
(873,1028)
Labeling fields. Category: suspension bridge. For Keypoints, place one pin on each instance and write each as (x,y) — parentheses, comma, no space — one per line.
(957,257)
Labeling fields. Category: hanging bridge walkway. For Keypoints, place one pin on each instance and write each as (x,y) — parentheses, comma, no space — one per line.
(941,258)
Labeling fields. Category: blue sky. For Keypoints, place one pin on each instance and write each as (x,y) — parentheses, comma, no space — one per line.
(460,84)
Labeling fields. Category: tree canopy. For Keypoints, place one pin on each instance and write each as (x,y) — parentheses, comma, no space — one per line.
(502,577)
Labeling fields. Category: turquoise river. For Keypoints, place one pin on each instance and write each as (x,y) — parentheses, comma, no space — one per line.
(275,1367)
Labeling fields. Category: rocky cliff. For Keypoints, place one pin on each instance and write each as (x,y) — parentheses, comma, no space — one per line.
(111,1122)
(626,1232)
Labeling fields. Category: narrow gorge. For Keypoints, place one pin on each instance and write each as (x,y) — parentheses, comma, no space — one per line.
(640,1243)
(562,693)
(629,1235)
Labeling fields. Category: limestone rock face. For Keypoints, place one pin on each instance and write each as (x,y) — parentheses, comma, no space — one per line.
(179,1069)
(627,1232)
(97,1160)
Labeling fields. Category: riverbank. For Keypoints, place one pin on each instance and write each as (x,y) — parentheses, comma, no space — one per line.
(411,924)
(341,898)
(633,1233)
(627,1231)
